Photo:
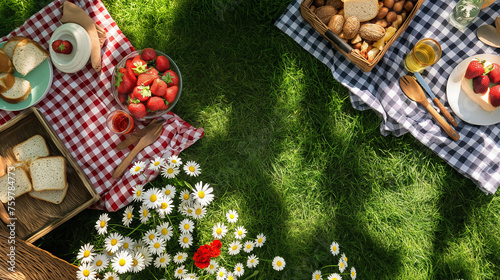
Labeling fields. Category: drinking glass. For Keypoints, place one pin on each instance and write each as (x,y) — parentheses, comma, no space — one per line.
(120,122)
(426,52)
(464,13)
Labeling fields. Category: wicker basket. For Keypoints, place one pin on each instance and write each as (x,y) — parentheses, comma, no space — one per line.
(354,57)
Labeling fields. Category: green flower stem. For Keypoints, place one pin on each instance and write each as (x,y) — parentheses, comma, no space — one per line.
(332,265)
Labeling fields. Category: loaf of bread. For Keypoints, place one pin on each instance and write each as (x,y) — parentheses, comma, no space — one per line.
(48,173)
(27,55)
(31,149)
(364,10)
(18,92)
(55,196)
(18,181)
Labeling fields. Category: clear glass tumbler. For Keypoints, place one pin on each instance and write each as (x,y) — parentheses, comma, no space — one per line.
(464,13)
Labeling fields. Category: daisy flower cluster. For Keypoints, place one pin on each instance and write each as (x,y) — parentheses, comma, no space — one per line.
(162,223)
(342,265)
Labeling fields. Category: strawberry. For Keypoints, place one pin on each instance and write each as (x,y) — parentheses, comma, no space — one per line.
(159,87)
(137,109)
(122,97)
(171,94)
(475,69)
(170,78)
(142,93)
(153,71)
(62,46)
(138,65)
(480,84)
(123,83)
(164,105)
(55,46)
(494,73)
(162,63)
(148,54)
(146,79)
(495,96)
(155,103)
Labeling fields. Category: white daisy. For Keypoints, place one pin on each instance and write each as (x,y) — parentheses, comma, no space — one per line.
(100,262)
(110,276)
(232,216)
(121,262)
(198,211)
(343,256)
(186,208)
(86,253)
(261,239)
(151,198)
(180,257)
(184,196)
(212,267)
(317,275)
(137,262)
(334,248)
(239,270)
(113,242)
(169,171)
(128,243)
(180,272)
(102,224)
(278,263)
(150,235)
(174,160)
(342,265)
(335,276)
(219,231)
(240,233)
(248,246)
(138,167)
(157,163)
(234,248)
(86,271)
(137,192)
(162,260)
(221,274)
(192,168)
(157,246)
(144,214)
(140,244)
(169,191)
(185,240)
(109,254)
(166,206)
(165,231)
(145,253)
(203,193)
(190,276)
(353,273)
(128,216)
(252,261)
(186,226)
(231,276)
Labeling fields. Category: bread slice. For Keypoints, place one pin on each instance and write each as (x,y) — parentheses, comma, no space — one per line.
(7,80)
(56,196)
(5,63)
(31,149)
(27,55)
(18,181)
(19,92)
(11,44)
(364,10)
(48,173)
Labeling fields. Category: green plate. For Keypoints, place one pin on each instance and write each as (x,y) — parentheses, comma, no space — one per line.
(40,79)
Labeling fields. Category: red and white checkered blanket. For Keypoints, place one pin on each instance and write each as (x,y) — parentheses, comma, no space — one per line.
(77,104)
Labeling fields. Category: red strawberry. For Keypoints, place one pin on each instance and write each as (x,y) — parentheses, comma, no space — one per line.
(138,65)
(494,73)
(171,94)
(159,88)
(148,54)
(55,46)
(123,83)
(164,105)
(137,110)
(62,46)
(153,71)
(162,63)
(480,84)
(145,79)
(475,69)
(131,75)
(170,78)
(495,96)
(122,97)
(155,103)
(142,93)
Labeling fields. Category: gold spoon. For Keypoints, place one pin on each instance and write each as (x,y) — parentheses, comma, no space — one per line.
(489,34)
(415,93)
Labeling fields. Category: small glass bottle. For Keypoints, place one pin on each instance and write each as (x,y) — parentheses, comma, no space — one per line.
(464,13)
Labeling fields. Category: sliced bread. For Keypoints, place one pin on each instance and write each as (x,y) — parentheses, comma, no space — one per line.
(56,196)
(31,149)
(18,182)
(5,63)
(27,55)
(19,92)
(7,80)
(364,10)
(11,44)
(48,173)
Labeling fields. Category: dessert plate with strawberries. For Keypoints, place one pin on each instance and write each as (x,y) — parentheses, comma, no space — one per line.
(473,89)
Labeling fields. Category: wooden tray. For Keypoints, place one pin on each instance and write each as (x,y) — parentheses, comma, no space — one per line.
(354,57)
(35,217)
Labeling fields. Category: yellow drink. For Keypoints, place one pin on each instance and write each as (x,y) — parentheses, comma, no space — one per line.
(425,53)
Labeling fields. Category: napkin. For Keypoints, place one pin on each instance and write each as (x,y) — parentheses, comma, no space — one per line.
(74,14)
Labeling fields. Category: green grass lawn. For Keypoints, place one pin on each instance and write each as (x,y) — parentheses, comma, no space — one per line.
(284,147)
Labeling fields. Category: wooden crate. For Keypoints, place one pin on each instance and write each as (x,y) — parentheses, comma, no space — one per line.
(354,57)
(34,217)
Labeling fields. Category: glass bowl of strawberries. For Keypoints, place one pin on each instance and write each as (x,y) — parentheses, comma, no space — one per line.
(146,83)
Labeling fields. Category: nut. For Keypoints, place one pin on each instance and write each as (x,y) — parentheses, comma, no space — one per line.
(371,32)
(398,6)
(408,6)
(391,16)
(389,3)
(382,12)
(382,22)
(324,13)
(351,27)
(319,3)
(336,24)
(337,4)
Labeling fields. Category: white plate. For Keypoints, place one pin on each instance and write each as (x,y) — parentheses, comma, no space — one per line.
(466,109)
(78,58)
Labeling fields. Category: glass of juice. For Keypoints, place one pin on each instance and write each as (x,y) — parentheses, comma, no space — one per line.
(120,122)
(425,53)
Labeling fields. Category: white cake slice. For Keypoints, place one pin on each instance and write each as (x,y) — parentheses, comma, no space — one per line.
(482,100)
